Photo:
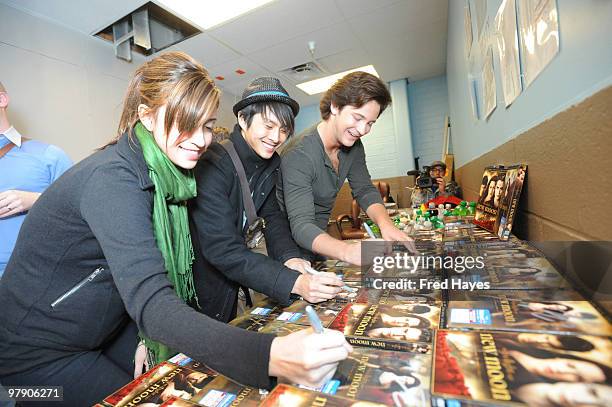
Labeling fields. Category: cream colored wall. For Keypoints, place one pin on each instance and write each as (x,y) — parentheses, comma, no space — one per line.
(66,87)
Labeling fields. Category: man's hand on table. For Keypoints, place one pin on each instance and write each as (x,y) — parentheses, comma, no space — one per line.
(391,233)
(306,357)
(317,287)
(298,264)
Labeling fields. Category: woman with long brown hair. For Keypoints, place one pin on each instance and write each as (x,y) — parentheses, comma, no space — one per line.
(109,242)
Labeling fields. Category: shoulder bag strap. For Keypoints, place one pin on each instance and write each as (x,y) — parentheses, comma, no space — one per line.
(247,199)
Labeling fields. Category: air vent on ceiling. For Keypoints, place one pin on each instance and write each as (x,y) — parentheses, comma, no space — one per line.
(303,72)
(147,30)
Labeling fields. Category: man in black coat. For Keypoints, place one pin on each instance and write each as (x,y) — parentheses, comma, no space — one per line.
(223,262)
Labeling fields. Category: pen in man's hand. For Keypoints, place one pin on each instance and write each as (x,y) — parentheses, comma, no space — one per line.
(345,287)
(369,230)
(315,322)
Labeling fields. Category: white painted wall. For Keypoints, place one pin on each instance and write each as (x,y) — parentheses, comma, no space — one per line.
(402,124)
(307,116)
(582,67)
(388,152)
(428,108)
(380,145)
(66,87)
(411,128)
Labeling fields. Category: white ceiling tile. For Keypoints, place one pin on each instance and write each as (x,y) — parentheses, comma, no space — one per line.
(352,8)
(329,41)
(275,23)
(398,22)
(238,88)
(208,51)
(336,63)
(401,38)
(412,56)
(348,59)
(228,69)
(405,38)
(232,79)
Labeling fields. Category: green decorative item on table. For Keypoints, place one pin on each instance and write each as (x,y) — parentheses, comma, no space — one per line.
(437,223)
(472,208)
(400,221)
(374,227)
(462,209)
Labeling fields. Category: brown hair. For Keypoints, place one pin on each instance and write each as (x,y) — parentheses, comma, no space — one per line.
(176,80)
(355,89)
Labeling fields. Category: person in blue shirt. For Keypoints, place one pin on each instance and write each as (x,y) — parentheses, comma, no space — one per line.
(27,168)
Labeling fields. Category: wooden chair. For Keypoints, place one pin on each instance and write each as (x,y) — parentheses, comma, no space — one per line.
(354,230)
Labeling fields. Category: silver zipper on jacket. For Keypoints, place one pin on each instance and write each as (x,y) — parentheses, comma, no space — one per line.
(77,286)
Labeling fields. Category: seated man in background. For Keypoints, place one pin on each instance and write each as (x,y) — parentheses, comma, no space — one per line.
(27,168)
(316,164)
(223,261)
(437,170)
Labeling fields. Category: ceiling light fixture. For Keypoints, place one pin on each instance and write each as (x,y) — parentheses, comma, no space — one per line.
(322,84)
(210,13)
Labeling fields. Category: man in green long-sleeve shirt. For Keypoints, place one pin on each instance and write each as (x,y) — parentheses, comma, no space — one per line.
(315,165)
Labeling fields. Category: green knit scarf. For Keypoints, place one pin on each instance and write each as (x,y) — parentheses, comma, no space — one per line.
(173,187)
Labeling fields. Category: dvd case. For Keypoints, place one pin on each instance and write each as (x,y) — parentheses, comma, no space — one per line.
(400,327)
(284,395)
(515,177)
(519,277)
(223,392)
(183,360)
(551,311)
(177,402)
(498,199)
(388,377)
(516,368)
(268,310)
(127,393)
(281,328)
(250,322)
(386,296)
(177,382)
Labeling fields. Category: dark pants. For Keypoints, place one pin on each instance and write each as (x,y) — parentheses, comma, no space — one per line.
(86,377)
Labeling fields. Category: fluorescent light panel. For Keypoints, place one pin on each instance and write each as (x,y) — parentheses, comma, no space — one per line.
(322,84)
(209,13)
